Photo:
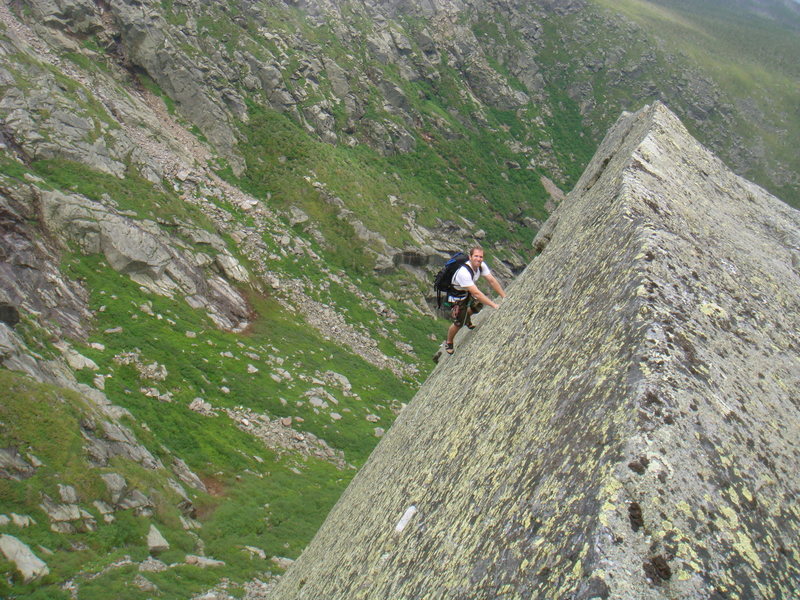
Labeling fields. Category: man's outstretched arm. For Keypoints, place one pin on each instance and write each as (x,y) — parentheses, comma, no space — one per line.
(481,297)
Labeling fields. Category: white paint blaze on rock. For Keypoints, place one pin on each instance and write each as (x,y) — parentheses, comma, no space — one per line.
(405,519)
(29,565)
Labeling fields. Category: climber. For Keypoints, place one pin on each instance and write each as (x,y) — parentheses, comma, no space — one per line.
(465,297)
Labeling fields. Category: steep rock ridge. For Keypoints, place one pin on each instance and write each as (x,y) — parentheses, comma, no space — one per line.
(179,144)
(621,428)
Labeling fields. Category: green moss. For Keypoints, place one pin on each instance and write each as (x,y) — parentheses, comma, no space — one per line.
(277,513)
(90,64)
(43,420)
(46,422)
(197,367)
(12,168)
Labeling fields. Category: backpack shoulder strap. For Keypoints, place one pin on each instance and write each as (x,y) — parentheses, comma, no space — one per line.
(466,264)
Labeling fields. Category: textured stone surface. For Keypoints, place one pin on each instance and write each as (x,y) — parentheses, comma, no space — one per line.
(13,466)
(27,563)
(155,541)
(29,265)
(77,16)
(149,46)
(630,428)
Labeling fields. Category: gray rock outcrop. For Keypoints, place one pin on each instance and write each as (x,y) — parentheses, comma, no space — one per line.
(29,565)
(150,46)
(147,255)
(13,466)
(156,542)
(124,497)
(630,431)
(29,265)
(76,16)
(109,439)
(68,517)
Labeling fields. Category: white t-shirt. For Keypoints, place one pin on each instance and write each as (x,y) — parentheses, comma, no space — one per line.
(462,278)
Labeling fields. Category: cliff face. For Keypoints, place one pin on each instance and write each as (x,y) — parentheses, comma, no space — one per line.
(622,427)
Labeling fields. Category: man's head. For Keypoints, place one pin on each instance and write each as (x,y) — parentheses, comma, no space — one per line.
(476,257)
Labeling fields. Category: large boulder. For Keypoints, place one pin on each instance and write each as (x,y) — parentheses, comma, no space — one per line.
(630,428)
(156,542)
(148,255)
(128,247)
(29,565)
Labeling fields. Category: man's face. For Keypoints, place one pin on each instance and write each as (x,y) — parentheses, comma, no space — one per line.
(476,259)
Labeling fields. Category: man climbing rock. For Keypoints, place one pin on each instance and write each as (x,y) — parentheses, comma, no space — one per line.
(465,297)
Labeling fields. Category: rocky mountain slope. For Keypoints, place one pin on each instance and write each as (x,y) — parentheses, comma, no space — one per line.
(219,221)
(631,433)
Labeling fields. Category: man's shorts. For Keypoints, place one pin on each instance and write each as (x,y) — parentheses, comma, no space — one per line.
(457,311)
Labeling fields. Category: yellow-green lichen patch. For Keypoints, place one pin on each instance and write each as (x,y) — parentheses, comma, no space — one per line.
(744,547)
